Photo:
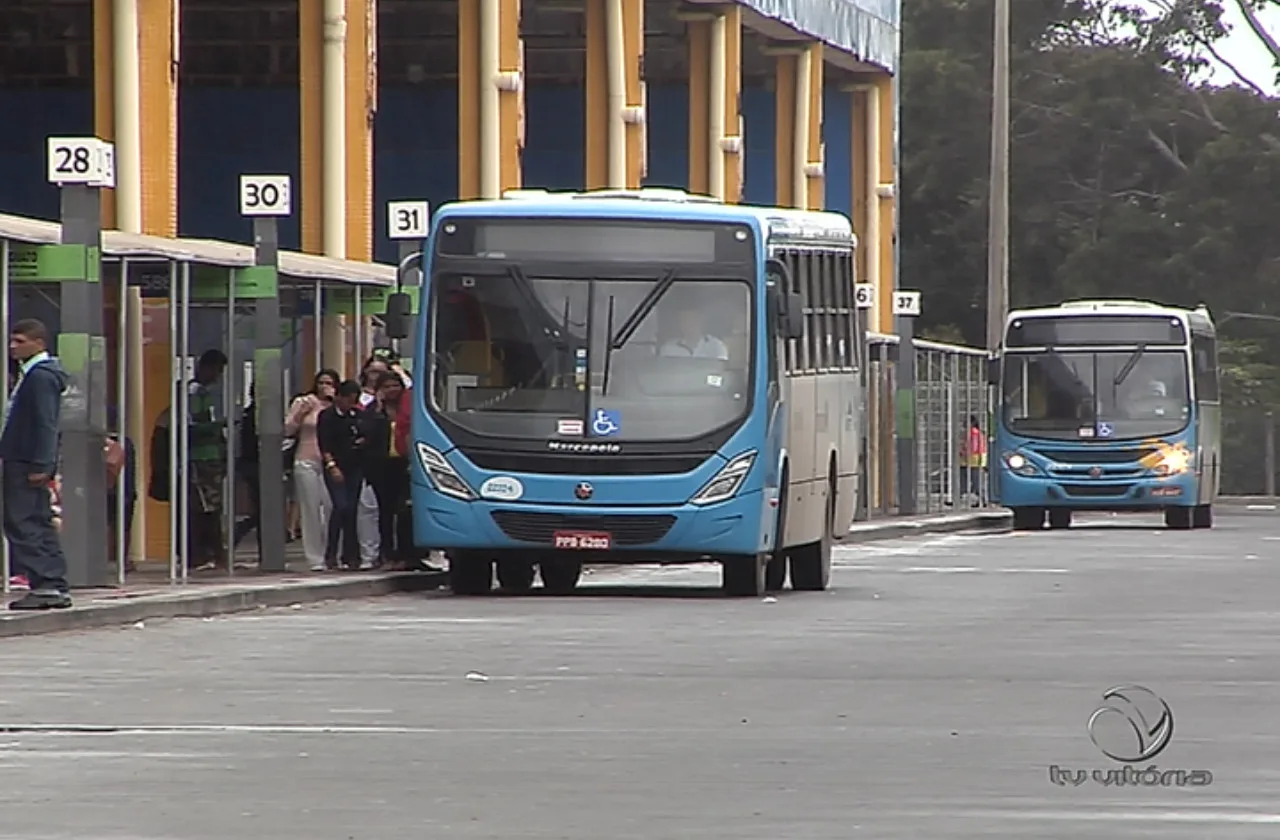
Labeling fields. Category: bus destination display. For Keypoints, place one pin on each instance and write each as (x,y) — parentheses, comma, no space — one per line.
(575,240)
(1108,330)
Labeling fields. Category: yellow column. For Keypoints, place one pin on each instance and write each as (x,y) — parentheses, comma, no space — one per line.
(311,104)
(731,147)
(361,100)
(886,190)
(468,98)
(158,72)
(785,152)
(813,161)
(636,119)
(596,141)
(104,98)
(510,83)
(699,35)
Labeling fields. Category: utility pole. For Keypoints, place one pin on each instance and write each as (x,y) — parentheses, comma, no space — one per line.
(998,223)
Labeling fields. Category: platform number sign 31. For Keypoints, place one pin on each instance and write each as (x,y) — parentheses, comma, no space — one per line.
(265,195)
(906,303)
(407,219)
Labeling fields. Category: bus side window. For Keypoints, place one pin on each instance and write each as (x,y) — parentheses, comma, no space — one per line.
(1204,353)
(793,361)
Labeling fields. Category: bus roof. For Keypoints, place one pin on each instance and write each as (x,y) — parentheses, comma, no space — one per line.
(1198,318)
(781,225)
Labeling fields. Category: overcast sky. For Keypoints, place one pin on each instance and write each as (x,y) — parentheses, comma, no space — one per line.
(1242,49)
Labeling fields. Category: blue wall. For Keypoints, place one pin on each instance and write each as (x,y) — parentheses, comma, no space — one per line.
(224,132)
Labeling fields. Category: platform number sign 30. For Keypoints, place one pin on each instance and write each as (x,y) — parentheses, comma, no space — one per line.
(407,219)
(864,295)
(906,303)
(265,195)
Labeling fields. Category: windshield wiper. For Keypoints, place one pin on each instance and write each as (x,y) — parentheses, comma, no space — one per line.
(608,349)
(642,311)
(1130,364)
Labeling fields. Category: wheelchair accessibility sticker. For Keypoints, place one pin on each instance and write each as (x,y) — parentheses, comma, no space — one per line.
(1105,430)
(606,423)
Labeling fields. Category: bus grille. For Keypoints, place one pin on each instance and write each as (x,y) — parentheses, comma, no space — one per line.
(639,529)
(1097,490)
(1099,456)
(548,463)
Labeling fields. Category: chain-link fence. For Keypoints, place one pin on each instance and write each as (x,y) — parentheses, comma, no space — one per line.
(949,406)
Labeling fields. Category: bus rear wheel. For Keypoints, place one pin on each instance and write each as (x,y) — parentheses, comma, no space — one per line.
(1202,516)
(744,575)
(470,574)
(1177,518)
(811,564)
(1059,518)
(1028,518)
(559,575)
(515,575)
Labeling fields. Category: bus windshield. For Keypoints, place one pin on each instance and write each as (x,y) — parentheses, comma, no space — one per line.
(1108,395)
(527,355)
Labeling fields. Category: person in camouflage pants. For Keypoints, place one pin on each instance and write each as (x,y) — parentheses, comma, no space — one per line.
(207,470)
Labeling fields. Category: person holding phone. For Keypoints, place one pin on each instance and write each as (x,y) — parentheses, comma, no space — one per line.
(344,444)
(314,505)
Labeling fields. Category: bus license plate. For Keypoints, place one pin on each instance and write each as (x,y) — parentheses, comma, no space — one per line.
(583,540)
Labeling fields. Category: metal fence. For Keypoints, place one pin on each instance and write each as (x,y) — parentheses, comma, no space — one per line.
(950,393)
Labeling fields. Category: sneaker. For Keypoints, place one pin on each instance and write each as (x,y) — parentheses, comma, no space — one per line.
(19,582)
(45,599)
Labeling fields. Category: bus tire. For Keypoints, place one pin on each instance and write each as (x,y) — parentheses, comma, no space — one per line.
(1059,518)
(560,576)
(1177,518)
(515,575)
(1028,518)
(811,564)
(743,575)
(775,574)
(1202,516)
(470,574)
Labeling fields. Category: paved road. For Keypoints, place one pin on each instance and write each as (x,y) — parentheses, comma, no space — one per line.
(925,696)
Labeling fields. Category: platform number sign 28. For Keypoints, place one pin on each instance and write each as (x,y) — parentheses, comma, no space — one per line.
(407,219)
(81,160)
(265,195)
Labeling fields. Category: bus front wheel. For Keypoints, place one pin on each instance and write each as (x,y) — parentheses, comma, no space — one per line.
(1202,516)
(470,574)
(515,575)
(1178,518)
(811,564)
(744,575)
(560,576)
(1059,518)
(1028,518)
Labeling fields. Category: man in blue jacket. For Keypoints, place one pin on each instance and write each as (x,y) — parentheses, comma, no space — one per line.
(29,451)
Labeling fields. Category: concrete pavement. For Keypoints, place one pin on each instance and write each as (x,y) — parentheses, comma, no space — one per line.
(926,695)
(147,597)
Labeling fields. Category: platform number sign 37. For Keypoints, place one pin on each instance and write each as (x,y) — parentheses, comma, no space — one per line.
(906,303)
(407,219)
(265,195)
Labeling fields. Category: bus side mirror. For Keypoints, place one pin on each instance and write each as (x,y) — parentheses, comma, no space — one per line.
(399,315)
(794,320)
(993,370)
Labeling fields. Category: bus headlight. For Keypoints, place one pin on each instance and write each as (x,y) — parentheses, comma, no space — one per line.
(1173,460)
(726,482)
(1018,463)
(442,476)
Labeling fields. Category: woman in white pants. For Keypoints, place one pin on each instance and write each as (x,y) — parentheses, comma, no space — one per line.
(314,503)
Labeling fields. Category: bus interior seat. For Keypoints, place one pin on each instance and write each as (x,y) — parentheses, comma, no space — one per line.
(479,359)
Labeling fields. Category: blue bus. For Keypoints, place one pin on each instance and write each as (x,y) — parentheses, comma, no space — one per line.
(1107,405)
(635,376)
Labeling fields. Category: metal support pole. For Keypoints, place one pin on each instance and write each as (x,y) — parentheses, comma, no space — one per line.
(184,426)
(905,421)
(122,420)
(229,381)
(82,352)
(269,394)
(863,349)
(1270,441)
(998,223)
(5,567)
(177,377)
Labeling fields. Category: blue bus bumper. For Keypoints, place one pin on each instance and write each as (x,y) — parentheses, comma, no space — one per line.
(1129,494)
(736,526)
